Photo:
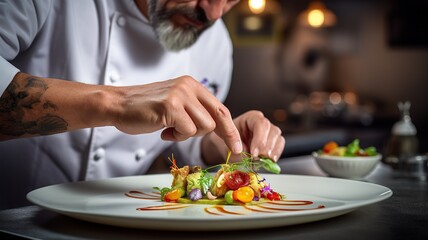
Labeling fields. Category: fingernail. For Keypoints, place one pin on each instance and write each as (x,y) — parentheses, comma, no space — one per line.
(275,158)
(270,152)
(256,152)
(237,147)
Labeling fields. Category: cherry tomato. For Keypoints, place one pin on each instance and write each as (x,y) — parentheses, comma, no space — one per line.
(328,147)
(236,179)
(273,196)
(173,195)
(243,194)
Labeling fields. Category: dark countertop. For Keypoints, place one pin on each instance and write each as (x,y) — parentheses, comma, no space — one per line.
(402,216)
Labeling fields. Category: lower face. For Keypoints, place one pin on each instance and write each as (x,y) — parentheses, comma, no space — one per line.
(177,26)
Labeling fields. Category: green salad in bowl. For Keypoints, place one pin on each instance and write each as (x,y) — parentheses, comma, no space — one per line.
(350,161)
(351,150)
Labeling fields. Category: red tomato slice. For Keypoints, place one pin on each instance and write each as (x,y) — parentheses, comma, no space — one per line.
(236,179)
(273,196)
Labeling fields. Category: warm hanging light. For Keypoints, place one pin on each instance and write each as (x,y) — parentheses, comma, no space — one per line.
(316,18)
(257,6)
(317,15)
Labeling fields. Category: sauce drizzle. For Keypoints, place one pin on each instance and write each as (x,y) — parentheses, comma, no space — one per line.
(170,206)
(219,210)
(142,195)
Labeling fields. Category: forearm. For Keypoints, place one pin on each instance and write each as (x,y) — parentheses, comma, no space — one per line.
(33,106)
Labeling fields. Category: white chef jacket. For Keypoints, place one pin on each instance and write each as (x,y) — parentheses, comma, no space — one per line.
(95,42)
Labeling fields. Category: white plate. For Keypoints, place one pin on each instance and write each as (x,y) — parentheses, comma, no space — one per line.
(106,202)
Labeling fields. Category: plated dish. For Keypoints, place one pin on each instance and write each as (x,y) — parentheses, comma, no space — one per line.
(234,183)
(132,202)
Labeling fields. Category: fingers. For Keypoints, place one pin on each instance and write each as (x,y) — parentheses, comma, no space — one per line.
(201,118)
(278,148)
(195,111)
(227,130)
(183,108)
(225,127)
(264,138)
(260,129)
(183,128)
(275,144)
(195,122)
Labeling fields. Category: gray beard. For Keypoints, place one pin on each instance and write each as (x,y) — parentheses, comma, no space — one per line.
(175,39)
(171,38)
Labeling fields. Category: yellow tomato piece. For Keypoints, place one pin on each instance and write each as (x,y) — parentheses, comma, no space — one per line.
(243,194)
(340,151)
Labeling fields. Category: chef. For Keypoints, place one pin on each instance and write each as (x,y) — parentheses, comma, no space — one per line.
(99,89)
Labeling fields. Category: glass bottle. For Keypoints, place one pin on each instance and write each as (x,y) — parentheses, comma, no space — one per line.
(403,142)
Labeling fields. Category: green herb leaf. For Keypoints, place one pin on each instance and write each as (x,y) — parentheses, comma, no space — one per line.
(371,151)
(353,148)
(270,165)
(205,181)
(162,191)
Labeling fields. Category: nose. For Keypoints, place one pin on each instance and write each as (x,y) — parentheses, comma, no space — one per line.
(213,8)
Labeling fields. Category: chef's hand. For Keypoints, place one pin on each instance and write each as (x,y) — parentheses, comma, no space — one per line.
(259,136)
(183,107)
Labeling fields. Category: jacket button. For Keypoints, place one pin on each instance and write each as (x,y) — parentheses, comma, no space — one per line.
(140,154)
(114,77)
(99,154)
(121,21)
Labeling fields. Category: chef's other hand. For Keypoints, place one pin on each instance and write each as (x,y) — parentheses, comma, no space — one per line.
(259,136)
(181,106)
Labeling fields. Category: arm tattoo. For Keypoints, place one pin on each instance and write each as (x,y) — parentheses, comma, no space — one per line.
(20,99)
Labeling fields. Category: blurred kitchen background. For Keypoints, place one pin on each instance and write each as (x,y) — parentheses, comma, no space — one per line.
(332,69)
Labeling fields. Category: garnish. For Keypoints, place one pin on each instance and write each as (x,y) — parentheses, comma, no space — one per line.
(228,156)
(205,181)
(233,183)
(173,162)
(195,194)
(249,164)
(162,191)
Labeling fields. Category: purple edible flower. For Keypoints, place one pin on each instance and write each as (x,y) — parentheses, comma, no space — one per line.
(266,189)
(195,194)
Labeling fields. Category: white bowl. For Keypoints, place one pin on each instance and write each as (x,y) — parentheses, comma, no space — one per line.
(347,167)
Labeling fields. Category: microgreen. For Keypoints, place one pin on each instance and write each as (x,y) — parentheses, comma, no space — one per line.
(249,164)
(205,180)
